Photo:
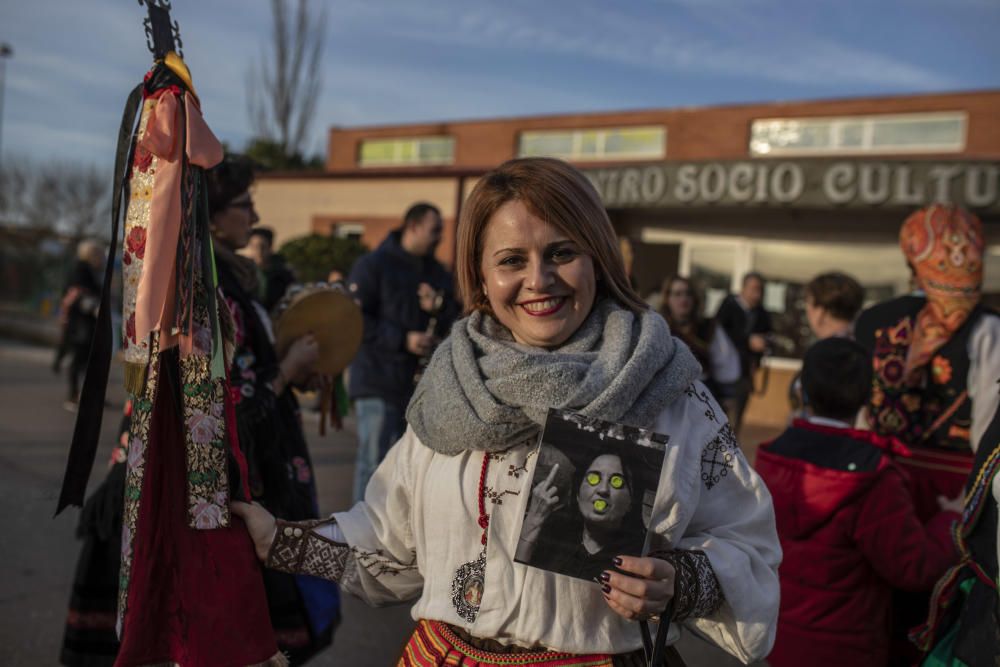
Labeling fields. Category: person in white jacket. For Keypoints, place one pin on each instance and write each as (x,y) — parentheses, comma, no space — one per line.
(552,323)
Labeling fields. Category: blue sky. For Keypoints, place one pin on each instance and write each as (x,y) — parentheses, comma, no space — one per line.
(398,61)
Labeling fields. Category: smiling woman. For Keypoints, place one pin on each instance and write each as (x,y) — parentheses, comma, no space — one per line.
(538,282)
(552,323)
(527,220)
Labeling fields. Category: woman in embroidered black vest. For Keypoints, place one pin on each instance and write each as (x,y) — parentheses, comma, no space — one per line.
(935,355)
(552,322)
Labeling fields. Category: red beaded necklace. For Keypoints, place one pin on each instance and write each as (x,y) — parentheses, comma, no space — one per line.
(484,518)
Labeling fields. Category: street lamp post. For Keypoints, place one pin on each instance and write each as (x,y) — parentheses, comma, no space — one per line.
(6,51)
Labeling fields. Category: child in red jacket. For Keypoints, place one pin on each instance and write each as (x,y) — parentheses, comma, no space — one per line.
(846,521)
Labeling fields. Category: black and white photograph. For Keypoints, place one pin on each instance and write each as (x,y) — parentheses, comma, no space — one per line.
(591,496)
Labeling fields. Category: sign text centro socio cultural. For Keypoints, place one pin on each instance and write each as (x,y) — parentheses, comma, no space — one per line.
(800,183)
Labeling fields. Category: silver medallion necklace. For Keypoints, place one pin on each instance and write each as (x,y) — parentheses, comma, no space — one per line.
(470,579)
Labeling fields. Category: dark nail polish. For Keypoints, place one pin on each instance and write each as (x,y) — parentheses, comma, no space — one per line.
(605,589)
(605,576)
(617,561)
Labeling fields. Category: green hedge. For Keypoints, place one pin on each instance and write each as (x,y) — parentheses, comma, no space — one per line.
(313,257)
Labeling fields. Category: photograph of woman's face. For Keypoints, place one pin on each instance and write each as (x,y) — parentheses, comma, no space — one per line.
(589,490)
(604,497)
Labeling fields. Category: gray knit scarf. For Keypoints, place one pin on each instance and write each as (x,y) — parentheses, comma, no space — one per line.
(483,391)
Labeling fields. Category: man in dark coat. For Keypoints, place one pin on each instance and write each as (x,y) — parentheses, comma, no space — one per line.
(407,300)
(747,324)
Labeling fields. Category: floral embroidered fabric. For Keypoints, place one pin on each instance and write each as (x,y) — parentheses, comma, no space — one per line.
(142,412)
(152,321)
(205,442)
(944,246)
(924,407)
(137,218)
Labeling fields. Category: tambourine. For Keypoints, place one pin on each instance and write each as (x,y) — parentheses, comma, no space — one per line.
(327,311)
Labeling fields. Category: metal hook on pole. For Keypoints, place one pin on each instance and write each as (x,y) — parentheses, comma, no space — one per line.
(162,34)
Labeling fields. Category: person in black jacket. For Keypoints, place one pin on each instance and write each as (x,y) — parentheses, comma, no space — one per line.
(407,300)
(80,302)
(747,323)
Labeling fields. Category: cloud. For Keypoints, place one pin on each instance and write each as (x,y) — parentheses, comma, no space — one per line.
(441,95)
(70,139)
(738,43)
(395,61)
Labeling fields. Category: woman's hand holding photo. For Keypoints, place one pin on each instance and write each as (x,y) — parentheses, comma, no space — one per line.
(642,596)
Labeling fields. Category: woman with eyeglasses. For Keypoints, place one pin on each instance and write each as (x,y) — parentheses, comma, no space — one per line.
(269,425)
(711,346)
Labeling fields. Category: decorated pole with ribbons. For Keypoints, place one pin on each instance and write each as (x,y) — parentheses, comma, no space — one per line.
(190,588)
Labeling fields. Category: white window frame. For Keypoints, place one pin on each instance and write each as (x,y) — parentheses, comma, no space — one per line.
(836,124)
(398,144)
(600,155)
(346,230)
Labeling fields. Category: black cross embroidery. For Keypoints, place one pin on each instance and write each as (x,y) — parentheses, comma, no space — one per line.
(716,461)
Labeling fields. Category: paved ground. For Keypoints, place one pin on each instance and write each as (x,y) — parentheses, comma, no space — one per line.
(39,552)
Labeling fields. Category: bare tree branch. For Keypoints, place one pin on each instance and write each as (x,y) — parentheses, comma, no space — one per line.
(283,88)
(65,198)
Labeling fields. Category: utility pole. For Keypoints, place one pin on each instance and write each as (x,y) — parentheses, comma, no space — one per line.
(6,51)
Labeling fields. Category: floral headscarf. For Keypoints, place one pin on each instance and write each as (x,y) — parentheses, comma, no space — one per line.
(944,245)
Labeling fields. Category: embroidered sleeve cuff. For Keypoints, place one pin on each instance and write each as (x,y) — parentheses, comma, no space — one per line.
(697,593)
(299,548)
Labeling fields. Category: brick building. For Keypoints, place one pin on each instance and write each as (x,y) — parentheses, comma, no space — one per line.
(788,189)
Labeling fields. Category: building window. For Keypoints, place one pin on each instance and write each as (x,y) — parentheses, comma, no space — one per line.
(614,143)
(902,133)
(349,230)
(407,152)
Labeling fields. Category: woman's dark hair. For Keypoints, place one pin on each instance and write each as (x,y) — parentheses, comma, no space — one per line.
(265,233)
(836,378)
(418,212)
(837,293)
(668,285)
(228,180)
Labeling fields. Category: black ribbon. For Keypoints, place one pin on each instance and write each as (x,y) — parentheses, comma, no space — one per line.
(87,430)
(663,654)
(658,654)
